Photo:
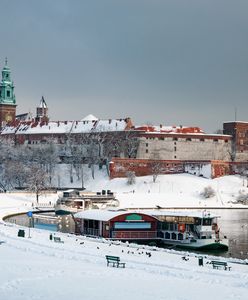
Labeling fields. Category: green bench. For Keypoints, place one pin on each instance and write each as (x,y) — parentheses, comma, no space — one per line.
(57,240)
(220,264)
(115,261)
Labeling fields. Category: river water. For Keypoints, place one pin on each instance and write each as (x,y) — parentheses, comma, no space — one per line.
(232,222)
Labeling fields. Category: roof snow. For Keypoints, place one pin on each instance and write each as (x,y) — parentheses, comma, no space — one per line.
(66,127)
(106,215)
(90,118)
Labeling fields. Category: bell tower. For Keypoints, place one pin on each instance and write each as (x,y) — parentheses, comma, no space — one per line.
(42,111)
(7,97)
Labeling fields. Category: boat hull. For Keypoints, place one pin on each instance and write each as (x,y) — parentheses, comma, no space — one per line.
(201,245)
(62,210)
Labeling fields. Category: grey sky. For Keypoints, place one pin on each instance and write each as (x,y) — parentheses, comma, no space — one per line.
(170,62)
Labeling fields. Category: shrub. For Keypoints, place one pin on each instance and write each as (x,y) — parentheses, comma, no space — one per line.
(208,192)
(242,198)
(130,177)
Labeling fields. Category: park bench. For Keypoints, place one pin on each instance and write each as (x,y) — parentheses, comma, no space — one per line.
(57,240)
(220,264)
(115,261)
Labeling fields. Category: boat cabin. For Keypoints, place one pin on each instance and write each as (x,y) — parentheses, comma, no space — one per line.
(121,225)
(190,225)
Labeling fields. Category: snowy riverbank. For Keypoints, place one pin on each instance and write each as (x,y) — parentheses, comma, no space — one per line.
(38,268)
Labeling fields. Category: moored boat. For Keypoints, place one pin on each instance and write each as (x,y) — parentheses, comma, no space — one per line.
(180,229)
(73,201)
(196,230)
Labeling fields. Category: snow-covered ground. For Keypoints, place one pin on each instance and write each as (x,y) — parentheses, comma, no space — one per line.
(38,268)
(178,190)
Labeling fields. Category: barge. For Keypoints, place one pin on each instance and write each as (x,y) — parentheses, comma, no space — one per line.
(197,230)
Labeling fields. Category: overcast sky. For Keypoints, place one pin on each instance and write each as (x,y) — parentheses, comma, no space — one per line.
(167,62)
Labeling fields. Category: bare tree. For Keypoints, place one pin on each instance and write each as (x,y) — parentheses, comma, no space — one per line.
(156,166)
(37,180)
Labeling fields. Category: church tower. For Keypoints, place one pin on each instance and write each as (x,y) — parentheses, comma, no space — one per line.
(7,97)
(42,111)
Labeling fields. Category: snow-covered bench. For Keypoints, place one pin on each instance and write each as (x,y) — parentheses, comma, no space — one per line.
(57,240)
(115,261)
(220,264)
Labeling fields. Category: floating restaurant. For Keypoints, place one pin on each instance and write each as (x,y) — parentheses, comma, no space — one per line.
(183,229)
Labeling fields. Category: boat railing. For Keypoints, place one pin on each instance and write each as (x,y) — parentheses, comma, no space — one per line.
(134,235)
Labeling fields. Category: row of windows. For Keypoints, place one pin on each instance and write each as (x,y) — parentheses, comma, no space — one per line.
(186,139)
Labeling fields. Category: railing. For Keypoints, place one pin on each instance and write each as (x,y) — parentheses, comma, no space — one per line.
(91,231)
(135,235)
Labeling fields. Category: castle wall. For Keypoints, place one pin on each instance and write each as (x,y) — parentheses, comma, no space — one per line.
(184,147)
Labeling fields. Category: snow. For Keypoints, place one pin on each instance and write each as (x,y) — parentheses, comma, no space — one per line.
(66,127)
(90,118)
(106,215)
(38,268)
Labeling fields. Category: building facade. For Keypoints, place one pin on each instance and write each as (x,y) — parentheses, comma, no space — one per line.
(184,146)
(239,132)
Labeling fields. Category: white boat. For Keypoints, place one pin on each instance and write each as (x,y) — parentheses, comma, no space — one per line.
(73,201)
(190,229)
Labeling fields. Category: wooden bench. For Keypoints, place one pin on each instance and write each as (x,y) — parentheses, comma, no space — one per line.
(115,261)
(220,264)
(57,240)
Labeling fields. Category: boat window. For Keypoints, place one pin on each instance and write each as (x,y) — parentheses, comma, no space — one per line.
(132,225)
(173,236)
(180,236)
(207,222)
(197,221)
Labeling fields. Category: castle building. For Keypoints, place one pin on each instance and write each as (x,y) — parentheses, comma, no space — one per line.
(140,149)
(7,97)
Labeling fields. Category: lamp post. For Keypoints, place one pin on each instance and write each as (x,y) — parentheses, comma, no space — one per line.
(30,216)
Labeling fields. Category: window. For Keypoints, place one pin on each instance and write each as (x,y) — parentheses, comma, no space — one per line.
(202,140)
(146,150)
(175,156)
(8,93)
(216,140)
(175,143)
(175,148)
(132,225)
(188,139)
(226,141)
(146,144)
(175,139)
(161,138)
